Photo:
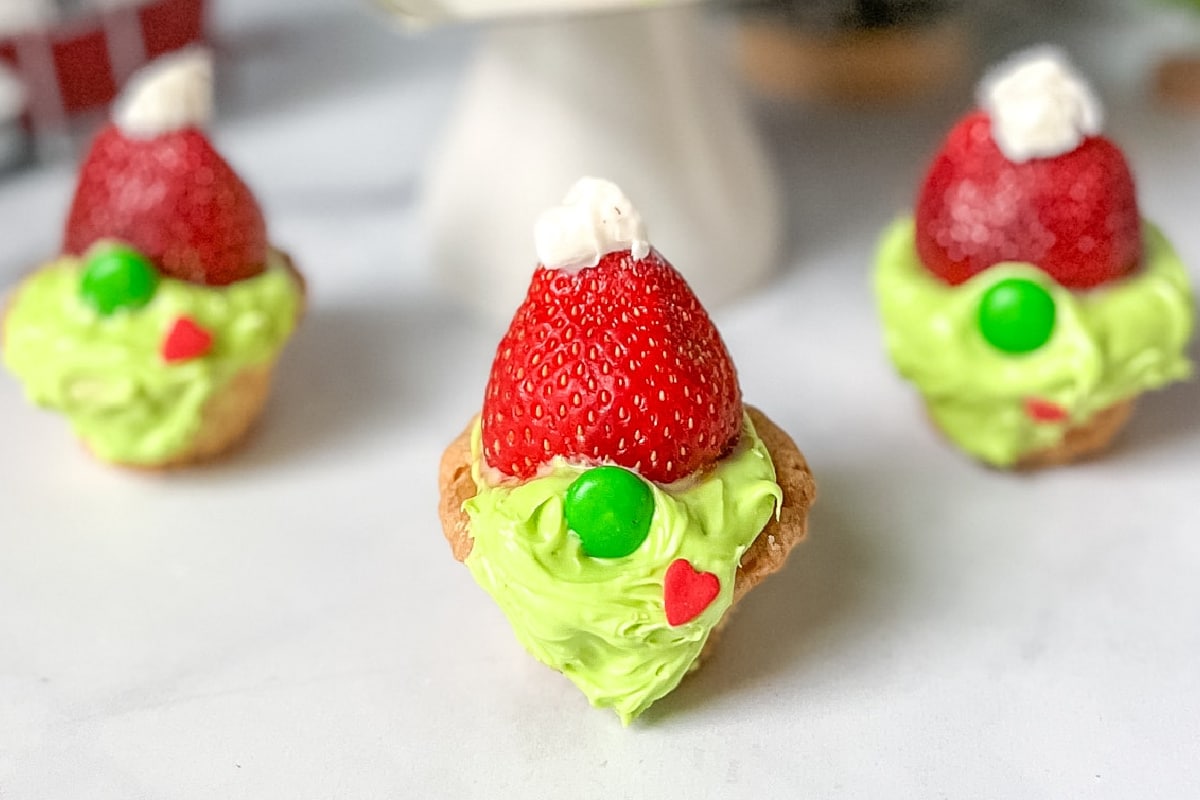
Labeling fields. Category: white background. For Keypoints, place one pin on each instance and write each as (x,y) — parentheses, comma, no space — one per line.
(290,623)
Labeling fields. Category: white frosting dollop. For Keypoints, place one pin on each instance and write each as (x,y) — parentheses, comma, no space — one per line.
(595,218)
(171,93)
(1039,105)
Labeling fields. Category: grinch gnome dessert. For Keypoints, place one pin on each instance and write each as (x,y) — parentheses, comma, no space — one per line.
(615,497)
(1029,301)
(157,331)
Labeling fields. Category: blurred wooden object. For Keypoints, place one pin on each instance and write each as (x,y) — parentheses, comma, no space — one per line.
(860,66)
(1177,81)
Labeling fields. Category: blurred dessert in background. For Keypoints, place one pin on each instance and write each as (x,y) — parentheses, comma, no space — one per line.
(1027,299)
(157,329)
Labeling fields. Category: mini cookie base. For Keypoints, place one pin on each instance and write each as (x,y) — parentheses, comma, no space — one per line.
(230,412)
(226,419)
(1078,444)
(858,67)
(764,557)
(1082,442)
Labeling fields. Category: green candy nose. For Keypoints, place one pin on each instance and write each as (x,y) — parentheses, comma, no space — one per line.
(116,277)
(1016,315)
(610,509)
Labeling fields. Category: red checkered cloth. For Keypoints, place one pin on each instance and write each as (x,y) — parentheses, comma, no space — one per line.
(80,64)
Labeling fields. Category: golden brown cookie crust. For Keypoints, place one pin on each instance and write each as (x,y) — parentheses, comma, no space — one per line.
(764,557)
(226,420)
(232,411)
(1078,444)
(1085,441)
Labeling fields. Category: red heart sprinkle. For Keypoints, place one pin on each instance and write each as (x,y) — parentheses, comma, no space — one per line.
(1040,410)
(186,340)
(686,592)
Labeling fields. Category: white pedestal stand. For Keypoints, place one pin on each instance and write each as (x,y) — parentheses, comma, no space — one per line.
(645,99)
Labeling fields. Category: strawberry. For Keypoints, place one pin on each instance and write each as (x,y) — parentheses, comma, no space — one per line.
(1074,214)
(175,199)
(616,363)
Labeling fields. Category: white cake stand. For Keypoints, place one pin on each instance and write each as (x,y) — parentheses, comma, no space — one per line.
(645,99)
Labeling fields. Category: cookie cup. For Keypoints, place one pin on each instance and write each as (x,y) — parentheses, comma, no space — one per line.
(765,556)
(225,417)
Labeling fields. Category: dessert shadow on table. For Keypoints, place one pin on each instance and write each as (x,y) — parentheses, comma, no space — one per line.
(833,589)
(353,372)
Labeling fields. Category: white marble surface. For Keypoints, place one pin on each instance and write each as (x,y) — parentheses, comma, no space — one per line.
(290,624)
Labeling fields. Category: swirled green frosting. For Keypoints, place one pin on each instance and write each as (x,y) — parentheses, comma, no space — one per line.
(106,374)
(601,621)
(1108,344)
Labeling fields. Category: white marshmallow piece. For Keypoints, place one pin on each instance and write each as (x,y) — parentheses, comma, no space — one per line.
(169,94)
(595,218)
(1039,105)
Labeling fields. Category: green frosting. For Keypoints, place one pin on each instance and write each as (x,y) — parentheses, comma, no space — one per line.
(106,373)
(601,621)
(1108,344)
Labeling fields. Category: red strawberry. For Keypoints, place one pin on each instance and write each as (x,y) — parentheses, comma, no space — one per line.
(1074,215)
(175,199)
(615,363)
